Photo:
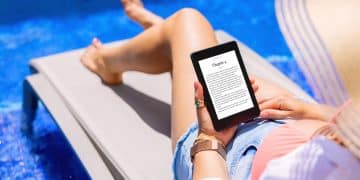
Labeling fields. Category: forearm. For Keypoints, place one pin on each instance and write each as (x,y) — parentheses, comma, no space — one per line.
(209,164)
(319,111)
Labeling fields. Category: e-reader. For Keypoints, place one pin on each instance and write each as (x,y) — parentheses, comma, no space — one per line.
(228,94)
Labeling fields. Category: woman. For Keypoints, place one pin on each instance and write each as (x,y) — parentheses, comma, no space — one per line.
(165,46)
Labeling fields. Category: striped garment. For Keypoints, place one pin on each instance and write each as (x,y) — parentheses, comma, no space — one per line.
(310,52)
(320,158)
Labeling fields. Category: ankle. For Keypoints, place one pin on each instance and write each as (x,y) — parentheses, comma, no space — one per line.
(111,62)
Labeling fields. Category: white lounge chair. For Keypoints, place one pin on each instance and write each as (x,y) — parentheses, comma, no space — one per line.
(119,132)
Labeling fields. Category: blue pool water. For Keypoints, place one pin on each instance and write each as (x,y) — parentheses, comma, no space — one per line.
(37,28)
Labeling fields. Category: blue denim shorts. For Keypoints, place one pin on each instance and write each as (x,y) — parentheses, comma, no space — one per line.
(240,151)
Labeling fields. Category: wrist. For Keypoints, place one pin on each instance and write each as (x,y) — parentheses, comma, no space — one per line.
(207,156)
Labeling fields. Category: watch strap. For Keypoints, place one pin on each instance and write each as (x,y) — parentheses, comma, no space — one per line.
(208,145)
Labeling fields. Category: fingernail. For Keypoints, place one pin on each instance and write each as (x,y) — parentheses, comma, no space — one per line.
(196,87)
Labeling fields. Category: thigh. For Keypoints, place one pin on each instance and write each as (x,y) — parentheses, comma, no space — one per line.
(189,31)
(268,89)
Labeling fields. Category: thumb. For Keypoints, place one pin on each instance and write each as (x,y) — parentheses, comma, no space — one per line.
(202,112)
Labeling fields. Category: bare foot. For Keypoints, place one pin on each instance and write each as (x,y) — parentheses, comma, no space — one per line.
(95,62)
(136,11)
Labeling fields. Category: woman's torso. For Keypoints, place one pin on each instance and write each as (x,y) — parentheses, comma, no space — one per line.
(282,140)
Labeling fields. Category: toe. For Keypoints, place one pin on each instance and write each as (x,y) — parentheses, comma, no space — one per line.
(125,2)
(139,3)
(128,2)
(97,43)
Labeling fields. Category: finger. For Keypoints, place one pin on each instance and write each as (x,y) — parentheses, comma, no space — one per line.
(269,103)
(252,79)
(199,93)
(253,84)
(255,87)
(275,114)
(263,99)
(279,103)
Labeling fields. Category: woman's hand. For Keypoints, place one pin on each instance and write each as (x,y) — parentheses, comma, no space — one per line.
(282,107)
(205,123)
(287,107)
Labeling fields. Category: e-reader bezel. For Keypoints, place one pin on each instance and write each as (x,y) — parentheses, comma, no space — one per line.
(240,117)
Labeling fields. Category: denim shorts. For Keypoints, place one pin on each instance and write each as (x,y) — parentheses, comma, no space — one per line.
(240,151)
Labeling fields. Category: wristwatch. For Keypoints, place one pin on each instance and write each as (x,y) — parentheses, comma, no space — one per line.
(207,143)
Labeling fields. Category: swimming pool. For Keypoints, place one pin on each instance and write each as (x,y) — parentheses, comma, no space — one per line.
(31,29)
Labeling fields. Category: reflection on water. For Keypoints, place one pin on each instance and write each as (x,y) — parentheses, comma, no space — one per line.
(43,155)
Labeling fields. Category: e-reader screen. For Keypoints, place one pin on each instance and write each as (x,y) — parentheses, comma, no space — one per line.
(226,84)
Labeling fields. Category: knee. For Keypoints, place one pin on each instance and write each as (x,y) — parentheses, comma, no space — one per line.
(188,22)
(189,16)
(188,13)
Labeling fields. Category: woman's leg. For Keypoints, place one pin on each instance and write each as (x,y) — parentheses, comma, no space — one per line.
(163,47)
(136,11)
(166,46)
